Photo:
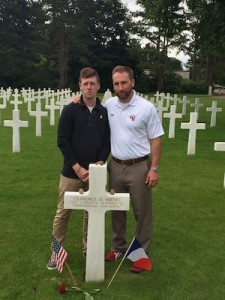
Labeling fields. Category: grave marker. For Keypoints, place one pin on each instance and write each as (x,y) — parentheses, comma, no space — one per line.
(52,107)
(16,101)
(184,102)
(193,126)
(160,109)
(214,111)
(38,114)
(197,105)
(220,146)
(107,95)
(172,115)
(16,123)
(96,201)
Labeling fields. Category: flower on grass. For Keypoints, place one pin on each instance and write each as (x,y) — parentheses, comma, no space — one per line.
(88,295)
(62,288)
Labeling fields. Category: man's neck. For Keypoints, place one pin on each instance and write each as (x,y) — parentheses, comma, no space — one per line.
(90,102)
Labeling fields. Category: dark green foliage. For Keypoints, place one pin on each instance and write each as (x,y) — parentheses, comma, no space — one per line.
(189,86)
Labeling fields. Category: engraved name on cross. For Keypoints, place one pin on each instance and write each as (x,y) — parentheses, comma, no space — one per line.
(96,201)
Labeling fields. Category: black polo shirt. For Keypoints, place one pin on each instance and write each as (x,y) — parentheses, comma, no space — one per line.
(83,136)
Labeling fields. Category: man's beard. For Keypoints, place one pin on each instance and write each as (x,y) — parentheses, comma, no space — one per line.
(124,94)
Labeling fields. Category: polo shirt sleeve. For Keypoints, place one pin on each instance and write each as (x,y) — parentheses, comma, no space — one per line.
(154,125)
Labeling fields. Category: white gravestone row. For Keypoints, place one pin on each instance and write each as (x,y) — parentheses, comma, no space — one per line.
(29,96)
(193,125)
(38,113)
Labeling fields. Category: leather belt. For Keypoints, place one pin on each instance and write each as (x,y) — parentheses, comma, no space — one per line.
(130,162)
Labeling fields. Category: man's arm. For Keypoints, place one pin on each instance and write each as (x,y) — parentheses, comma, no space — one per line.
(153,174)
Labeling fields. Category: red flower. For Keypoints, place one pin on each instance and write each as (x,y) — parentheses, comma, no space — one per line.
(62,288)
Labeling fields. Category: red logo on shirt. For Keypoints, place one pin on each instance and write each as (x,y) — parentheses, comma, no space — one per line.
(132,117)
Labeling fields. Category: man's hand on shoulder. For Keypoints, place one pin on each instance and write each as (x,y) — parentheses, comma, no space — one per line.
(76,99)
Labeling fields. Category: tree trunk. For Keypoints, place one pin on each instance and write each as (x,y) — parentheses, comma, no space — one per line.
(63,60)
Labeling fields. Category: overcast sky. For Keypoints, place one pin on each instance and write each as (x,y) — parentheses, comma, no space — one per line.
(131,4)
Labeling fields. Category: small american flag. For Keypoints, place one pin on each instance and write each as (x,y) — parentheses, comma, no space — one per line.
(59,253)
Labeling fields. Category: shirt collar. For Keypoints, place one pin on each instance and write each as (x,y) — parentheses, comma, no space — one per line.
(98,102)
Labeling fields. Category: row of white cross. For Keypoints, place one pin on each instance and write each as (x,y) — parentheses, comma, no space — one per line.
(58,100)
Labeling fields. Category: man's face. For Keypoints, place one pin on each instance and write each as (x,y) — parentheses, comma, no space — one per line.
(89,87)
(123,86)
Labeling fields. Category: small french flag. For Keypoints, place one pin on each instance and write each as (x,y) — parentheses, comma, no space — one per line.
(138,256)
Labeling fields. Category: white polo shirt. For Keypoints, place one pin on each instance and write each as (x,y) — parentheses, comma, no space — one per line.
(132,126)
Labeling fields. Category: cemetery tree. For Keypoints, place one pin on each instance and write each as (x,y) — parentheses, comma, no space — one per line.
(163,24)
(108,43)
(21,23)
(207,47)
(68,32)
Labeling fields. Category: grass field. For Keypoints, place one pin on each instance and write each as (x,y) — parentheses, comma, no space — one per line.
(188,249)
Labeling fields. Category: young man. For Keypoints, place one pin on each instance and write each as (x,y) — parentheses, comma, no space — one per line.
(135,134)
(83,138)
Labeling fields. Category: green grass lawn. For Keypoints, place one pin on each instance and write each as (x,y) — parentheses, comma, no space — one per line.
(188,249)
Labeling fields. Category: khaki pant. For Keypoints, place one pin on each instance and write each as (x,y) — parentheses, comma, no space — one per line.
(62,215)
(131,179)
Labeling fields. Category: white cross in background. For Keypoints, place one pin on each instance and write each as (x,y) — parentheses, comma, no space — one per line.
(52,107)
(214,111)
(220,146)
(15,123)
(38,114)
(197,105)
(193,126)
(172,115)
(16,101)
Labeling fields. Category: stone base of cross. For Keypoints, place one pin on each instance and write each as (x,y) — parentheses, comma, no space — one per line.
(220,146)
(96,201)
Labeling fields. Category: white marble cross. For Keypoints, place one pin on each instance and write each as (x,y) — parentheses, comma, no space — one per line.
(96,201)
(107,95)
(197,105)
(29,98)
(4,97)
(16,123)
(175,99)
(157,95)
(193,125)
(184,102)
(220,146)
(172,115)
(168,98)
(214,109)
(160,109)
(38,114)
(16,101)
(52,108)
(3,104)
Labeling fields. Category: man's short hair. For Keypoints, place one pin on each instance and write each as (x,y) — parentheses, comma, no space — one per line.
(88,72)
(121,69)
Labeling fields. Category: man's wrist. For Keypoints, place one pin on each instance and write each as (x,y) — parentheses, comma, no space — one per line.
(156,169)
(76,167)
